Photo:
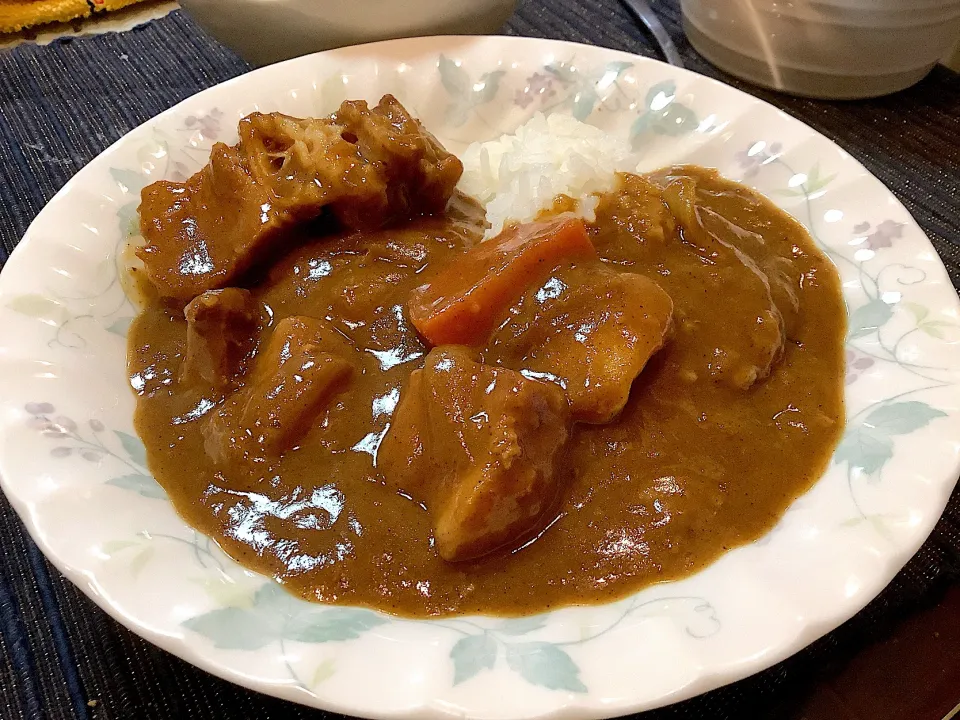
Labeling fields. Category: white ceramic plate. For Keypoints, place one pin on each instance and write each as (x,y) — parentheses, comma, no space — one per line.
(74,470)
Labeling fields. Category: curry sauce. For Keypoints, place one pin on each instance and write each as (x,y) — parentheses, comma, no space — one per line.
(734,413)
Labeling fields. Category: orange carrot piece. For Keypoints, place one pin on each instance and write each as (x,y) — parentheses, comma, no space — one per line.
(460,304)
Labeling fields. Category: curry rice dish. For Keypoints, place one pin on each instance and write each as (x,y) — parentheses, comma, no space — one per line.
(347,389)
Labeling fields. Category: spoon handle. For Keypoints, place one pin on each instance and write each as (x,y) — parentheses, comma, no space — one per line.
(642,11)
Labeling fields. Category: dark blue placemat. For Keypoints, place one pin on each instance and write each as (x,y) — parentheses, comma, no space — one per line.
(61,657)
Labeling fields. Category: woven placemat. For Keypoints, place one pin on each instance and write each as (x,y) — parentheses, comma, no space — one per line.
(60,105)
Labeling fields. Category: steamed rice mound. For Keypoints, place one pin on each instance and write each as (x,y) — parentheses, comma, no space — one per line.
(517,176)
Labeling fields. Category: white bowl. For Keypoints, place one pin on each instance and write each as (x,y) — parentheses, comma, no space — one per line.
(824,48)
(72,467)
(266,31)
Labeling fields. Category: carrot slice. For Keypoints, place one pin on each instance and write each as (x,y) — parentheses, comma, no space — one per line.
(460,304)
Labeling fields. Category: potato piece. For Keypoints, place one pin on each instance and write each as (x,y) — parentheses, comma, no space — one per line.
(589,329)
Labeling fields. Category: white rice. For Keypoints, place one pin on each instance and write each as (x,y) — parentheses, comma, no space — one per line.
(518,175)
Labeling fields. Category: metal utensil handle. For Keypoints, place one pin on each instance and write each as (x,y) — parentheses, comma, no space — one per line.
(642,11)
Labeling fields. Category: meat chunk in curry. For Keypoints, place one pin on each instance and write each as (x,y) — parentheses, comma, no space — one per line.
(415,173)
(368,166)
(303,366)
(203,233)
(759,324)
(222,330)
(477,445)
(704,264)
